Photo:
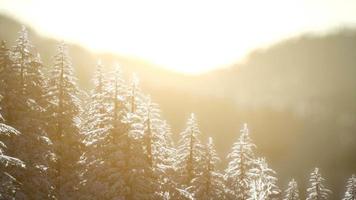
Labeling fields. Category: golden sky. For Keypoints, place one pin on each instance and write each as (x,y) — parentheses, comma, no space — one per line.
(189,36)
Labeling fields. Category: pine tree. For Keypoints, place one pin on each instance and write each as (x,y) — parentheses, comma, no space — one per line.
(109,158)
(14,65)
(170,187)
(263,184)
(134,94)
(350,193)
(190,153)
(24,106)
(4,56)
(143,137)
(241,159)
(8,81)
(292,192)
(7,131)
(95,117)
(157,135)
(67,140)
(96,123)
(8,184)
(151,134)
(12,99)
(22,56)
(35,129)
(158,145)
(317,190)
(210,184)
(141,173)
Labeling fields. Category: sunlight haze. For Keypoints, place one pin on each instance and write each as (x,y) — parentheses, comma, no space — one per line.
(185,36)
(177,100)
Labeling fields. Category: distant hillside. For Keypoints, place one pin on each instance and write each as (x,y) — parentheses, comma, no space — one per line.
(298,96)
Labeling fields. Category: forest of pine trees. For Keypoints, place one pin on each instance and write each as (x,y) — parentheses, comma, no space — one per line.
(60,142)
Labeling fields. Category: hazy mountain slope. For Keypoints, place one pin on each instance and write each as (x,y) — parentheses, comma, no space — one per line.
(301,101)
(298,97)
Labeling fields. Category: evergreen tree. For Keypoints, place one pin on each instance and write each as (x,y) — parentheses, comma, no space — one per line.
(8,184)
(25,106)
(317,190)
(170,187)
(190,153)
(141,173)
(157,135)
(241,161)
(22,56)
(292,192)
(7,131)
(95,115)
(109,142)
(4,56)
(96,123)
(158,145)
(263,183)
(35,129)
(67,140)
(142,138)
(134,94)
(9,83)
(350,193)
(210,184)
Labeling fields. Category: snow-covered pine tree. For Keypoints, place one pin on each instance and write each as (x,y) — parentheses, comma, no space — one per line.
(151,133)
(168,159)
(34,126)
(4,56)
(96,123)
(8,81)
(8,184)
(317,190)
(7,131)
(24,106)
(140,147)
(123,170)
(14,67)
(11,88)
(134,94)
(165,153)
(292,192)
(22,55)
(350,193)
(162,150)
(210,184)
(190,153)
(108,177)
(157,136)
(170,187)
(263,185)
(159,148)
(241,161)
(67,140)
(142,180)
(96,118)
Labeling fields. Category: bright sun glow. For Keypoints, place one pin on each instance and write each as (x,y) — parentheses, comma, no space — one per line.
(186,36)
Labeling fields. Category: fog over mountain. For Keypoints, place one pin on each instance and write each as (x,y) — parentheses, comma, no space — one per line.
(298,97)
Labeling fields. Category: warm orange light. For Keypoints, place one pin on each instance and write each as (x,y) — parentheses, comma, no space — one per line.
(186,36)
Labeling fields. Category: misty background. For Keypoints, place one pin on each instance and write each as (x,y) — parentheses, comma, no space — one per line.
(298,97)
